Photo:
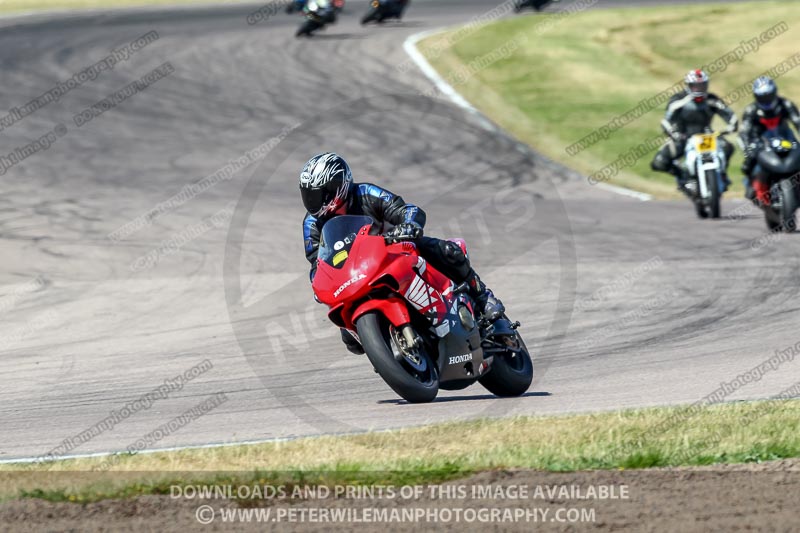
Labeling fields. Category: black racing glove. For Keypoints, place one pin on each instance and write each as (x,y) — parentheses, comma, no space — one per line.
(406,231)
(752,149)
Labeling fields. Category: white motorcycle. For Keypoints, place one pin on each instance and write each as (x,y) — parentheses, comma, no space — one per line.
(705,167)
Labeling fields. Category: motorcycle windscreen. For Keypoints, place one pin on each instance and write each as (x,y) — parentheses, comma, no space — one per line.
(337,238)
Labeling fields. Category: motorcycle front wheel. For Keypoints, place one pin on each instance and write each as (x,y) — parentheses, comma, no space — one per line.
(511,373)
(413,376)
(714,194)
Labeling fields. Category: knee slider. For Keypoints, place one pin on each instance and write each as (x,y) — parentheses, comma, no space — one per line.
(453,253)
(660,162)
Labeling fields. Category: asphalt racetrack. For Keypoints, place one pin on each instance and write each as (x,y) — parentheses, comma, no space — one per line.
(623,303)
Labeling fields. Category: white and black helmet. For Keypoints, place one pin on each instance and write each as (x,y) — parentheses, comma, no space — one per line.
(697,83)
(325,184)
(765,92)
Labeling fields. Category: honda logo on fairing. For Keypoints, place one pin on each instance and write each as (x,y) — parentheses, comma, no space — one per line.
(348,283)
(455,359)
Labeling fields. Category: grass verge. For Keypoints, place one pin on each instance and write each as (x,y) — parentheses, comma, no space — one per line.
(552,79)
(670,436)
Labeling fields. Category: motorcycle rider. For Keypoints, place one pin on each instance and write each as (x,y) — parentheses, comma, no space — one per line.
(321,8)
(328,190)
(768,110)
(688,113)
(535,4)
(295,5)
(387,9)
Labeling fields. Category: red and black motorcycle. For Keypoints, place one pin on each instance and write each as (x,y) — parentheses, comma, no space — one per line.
(418,329)
(778,184)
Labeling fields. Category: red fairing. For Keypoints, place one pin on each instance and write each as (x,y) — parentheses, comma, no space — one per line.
(371,264)
(426,291)
(393,308)
(762,191)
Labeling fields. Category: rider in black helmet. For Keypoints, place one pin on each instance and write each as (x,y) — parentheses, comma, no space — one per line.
(327,189)
(769,110)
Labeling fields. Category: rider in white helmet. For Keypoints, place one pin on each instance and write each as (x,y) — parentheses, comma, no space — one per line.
(690,112)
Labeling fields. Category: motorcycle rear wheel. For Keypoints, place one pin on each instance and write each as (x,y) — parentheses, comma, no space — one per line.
(772,224)
(370,16)
(788,206)
(307,28)
(415,385)
(699,208)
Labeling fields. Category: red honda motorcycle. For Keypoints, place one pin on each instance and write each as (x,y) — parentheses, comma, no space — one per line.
(418,329)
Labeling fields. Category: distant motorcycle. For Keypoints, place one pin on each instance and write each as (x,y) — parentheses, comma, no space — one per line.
(705,169)
(318,14)
(298,5)
(295,6)
(779,160)
(535,4)
(381,10)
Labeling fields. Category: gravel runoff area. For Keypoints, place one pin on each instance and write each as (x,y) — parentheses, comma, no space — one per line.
(752,497)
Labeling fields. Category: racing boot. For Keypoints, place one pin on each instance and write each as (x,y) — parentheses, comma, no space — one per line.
(726,182)
(747,176)
(749,191)
(488,305)
(353,346)
(680,180)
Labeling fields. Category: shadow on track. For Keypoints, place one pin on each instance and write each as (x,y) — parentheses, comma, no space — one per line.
(337,37)
(398,401)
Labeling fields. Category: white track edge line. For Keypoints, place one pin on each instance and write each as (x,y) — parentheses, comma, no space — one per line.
(39,460)
(642,196)
(90,455)
(410,47)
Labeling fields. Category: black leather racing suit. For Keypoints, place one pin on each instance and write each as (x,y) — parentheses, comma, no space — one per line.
(686,117)
(754,123)
(385,207)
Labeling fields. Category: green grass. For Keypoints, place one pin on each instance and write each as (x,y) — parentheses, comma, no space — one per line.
(674,436)
(17,6)
(570,75)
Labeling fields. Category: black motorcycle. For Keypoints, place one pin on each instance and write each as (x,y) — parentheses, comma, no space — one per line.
(537,5)
(382,10)
(779,162)
(298,5)
(318,14)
